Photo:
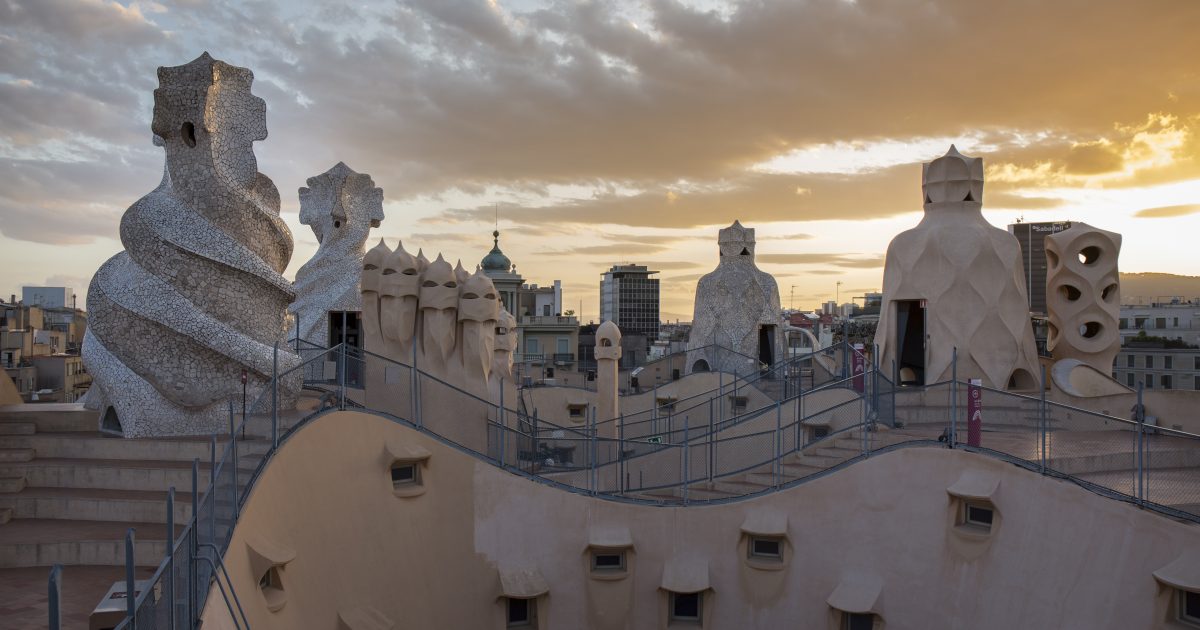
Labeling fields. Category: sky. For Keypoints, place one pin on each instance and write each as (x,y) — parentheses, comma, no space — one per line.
(624,131)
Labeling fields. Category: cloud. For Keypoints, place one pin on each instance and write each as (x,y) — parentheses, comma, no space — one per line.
(671,265)
(749,197)
(1093,158)
(1150,149)
(689,279)
(852,261)
(457,106)
(1164,212)
(786,237)
(1020,202)
(629,249)
(651,239)
(61,203)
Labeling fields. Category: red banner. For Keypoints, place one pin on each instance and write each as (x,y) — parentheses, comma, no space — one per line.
(859,366)
(974,411)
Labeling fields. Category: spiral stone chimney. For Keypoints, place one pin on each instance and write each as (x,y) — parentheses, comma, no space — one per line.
(197,298)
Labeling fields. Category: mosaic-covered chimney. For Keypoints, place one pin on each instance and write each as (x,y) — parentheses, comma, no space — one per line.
(197,298)
(341,206)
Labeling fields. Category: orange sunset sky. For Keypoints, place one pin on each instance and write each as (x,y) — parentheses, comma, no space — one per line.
(609,132)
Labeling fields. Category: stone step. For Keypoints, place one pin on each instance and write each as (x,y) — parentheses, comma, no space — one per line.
(12,484)
(822,461)
(52,417)
(36,542)
(768,479)
(17,428)
(834,451)
(5,515)
(704,490)
(799,471)
(95,445)
(15,454)
(111,474)
(739,486)
(1174,487)
(95,505)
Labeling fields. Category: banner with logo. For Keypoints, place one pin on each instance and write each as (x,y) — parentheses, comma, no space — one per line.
(974,411)
(859,368)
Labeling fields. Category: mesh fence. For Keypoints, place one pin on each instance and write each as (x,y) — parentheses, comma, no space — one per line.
(203,530)
(1171,469)
(154,603)
(179,579)
(998,421)
(761,428)
(744,452)
(1093,447)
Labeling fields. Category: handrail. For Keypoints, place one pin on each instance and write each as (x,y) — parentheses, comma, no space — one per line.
(220,562)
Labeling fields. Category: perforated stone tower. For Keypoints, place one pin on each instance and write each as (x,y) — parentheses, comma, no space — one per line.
(737,308)
(1083,295)
(197,297)
(956,281)
(341,206)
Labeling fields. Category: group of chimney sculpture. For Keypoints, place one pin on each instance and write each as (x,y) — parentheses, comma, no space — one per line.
(196,305)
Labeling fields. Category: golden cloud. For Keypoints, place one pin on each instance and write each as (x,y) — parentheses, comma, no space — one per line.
(1163,212)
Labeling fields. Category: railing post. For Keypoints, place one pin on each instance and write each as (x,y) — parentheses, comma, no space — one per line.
(503,428)
(1141,419)
(1042,420)
(234,459)
(55,597)
(623,482)
(212,485)
(875,379)
(130,584)
(342,377)
(895,386)
(412,396)
(778,442)
(866,450)
(192,549)
(275,391)
(171,552)
(712,441)
(953,398)
(592,453)
(799,405)
(654,411)
(686,460)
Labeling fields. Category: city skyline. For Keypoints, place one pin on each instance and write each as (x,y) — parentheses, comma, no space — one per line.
(625,132)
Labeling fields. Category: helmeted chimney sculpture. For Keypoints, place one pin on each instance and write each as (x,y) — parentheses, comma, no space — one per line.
(956,281)
(341,206)
(737,321)
(447,322)
(197,298)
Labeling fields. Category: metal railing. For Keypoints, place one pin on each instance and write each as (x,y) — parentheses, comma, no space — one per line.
(815,420)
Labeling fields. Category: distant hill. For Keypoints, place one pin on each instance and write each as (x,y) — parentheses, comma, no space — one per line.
(1157,285)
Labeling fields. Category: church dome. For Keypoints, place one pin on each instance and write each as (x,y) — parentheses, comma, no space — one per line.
(496,260)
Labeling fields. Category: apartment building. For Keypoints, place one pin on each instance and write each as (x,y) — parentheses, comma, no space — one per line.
(1158,367)
(1171,318)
